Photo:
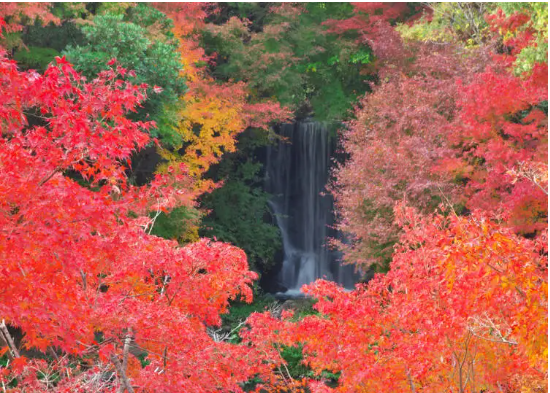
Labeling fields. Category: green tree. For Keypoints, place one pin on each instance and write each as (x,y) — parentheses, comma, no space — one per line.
(140,40)
(288,54)
(238,211)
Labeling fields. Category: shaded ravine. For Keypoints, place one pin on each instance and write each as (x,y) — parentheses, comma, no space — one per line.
(297,172)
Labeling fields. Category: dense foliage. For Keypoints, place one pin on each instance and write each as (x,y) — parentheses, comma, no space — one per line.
(79,262)
(447,157)
(450,315)
(238,211)
(213,114)
(141,41)
(96,302)
(435,131)
(289,54)
(148,133)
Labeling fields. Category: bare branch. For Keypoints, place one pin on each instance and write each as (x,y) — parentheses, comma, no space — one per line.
(125,383)
(127,343)
(83,275)
(409,378)
(9,340)
(498,333)
(44,180)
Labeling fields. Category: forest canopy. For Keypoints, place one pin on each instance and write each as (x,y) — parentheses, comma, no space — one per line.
(135,223)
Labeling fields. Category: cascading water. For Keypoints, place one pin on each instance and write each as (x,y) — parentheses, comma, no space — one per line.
(297,172)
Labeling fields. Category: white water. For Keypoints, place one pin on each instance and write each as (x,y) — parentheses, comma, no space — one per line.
(297,173)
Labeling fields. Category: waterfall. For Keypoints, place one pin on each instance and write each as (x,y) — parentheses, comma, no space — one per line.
(297,172)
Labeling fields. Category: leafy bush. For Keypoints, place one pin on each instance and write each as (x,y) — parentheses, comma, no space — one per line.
(35,58)
(237,217)
(238,210)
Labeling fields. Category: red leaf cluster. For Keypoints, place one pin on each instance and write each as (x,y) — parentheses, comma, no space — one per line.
(77,257)
(464,305)
(463,308)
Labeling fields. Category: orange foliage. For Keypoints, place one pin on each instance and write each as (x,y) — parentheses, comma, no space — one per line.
(463,309)
(212,114)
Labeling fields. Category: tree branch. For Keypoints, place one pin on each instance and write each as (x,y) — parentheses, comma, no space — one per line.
(9,340)
(127,343)
(44,180)
(413,390)
(125,383)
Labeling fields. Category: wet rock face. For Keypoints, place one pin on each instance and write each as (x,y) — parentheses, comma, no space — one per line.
(297,171)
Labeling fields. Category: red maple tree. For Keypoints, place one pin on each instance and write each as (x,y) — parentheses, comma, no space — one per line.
(81,277)
(463,308)
(464,305)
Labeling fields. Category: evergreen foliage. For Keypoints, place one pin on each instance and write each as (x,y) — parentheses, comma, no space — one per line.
(238,211)
(141,41)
